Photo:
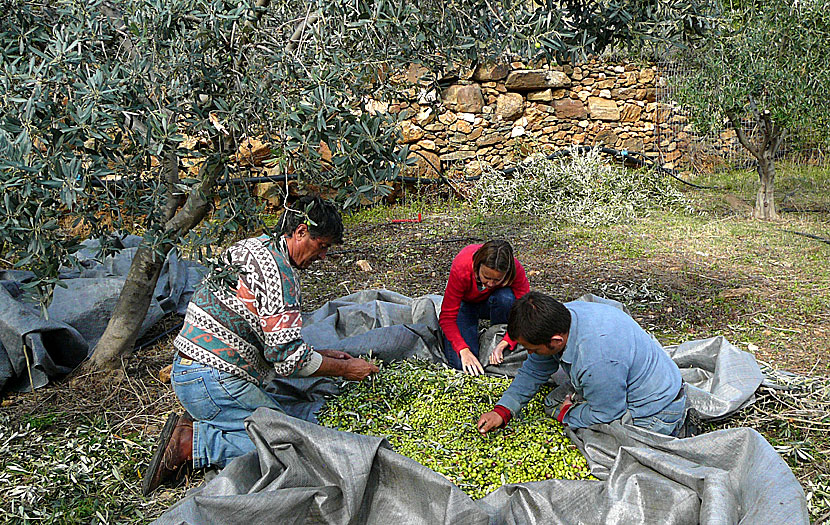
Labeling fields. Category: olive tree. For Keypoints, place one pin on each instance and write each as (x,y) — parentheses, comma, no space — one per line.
(130,115)
(765,62)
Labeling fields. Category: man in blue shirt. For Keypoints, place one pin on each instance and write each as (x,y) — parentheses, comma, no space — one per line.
(613,364)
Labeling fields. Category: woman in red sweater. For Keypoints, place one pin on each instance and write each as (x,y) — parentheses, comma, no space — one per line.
(485,280)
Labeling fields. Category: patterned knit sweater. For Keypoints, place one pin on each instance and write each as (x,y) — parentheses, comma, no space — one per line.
(253,331)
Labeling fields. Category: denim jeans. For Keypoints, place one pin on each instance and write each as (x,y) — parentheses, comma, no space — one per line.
(219,403)
(496,308)
(668,421)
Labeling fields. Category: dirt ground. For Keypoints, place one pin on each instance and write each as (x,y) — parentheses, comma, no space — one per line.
(676,283)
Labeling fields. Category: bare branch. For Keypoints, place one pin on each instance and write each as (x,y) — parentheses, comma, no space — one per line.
(744,140)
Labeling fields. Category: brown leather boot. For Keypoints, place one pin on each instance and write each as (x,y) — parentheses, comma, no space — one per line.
(173,454)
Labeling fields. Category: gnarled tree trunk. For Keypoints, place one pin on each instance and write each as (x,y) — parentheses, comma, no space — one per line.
(765,199)
(131,309)
(764,152)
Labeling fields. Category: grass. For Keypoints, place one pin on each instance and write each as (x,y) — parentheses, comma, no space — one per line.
(72,455)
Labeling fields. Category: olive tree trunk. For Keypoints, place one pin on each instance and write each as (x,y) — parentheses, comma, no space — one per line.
(764,151)
(765,199)
(123,328)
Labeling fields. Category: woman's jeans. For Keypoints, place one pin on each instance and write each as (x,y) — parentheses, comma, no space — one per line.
(496,308)
(219,403)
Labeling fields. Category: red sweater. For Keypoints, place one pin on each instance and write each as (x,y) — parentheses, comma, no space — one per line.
(462,287)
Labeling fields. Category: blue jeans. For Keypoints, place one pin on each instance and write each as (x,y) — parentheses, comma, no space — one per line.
(496,308)
(219,403)
(668,421)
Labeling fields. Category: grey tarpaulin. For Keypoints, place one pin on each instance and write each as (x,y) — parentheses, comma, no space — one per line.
(78,313)
(303,473)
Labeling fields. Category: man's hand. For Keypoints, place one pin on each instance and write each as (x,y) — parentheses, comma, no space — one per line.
(488,421)
(469,363)
(563,409)
(497,357)
(358,369)
(334,354)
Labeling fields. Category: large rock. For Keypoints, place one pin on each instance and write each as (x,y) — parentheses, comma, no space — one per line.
(427,164)
(491,71)
(603,109)
(410,132)
(464,98)
(510,106)
(536,79)
(567,108)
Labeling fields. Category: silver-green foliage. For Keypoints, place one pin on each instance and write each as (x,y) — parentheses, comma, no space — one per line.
(87,473)
(97,89)
(581,188)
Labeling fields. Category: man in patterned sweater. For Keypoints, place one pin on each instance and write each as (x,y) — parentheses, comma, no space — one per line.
(237,339)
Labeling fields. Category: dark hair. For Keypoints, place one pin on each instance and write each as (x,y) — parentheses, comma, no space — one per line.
(536,317)
(321,216)
(498,255)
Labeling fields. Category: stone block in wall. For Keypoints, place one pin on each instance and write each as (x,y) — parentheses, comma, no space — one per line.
(633,144)
(518,131)
(578,138)
(476,133)
(607,137)
(457,155)
(603,109)
(536,79)
(410,132)
(425,116)
(510,106)
(545,95)
(416,74)
(646,76)
(568,108)
(427,144)
(491,71)
(435,127)
(672,155)
(462,126)
(651,94)
(604,84)
(631,113)
(427,164)
(489,140)
(465,98)
(447,118)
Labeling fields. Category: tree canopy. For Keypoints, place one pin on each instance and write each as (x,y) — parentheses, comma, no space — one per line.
(765,62)
(128,116)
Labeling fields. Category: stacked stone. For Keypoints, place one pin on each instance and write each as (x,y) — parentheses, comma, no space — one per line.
(491,110)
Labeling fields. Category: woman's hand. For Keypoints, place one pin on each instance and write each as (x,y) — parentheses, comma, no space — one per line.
(469,363)
(497,357)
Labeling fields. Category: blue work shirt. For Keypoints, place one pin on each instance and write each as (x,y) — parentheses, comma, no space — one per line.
(613,364)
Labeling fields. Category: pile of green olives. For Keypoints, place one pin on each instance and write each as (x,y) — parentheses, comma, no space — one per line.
(428,412)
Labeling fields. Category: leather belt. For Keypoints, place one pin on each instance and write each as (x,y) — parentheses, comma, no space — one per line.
(185,356)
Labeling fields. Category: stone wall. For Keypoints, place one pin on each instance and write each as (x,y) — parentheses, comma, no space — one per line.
(488,113)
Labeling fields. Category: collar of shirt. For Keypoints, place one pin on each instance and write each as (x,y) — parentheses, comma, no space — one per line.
(569,354)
